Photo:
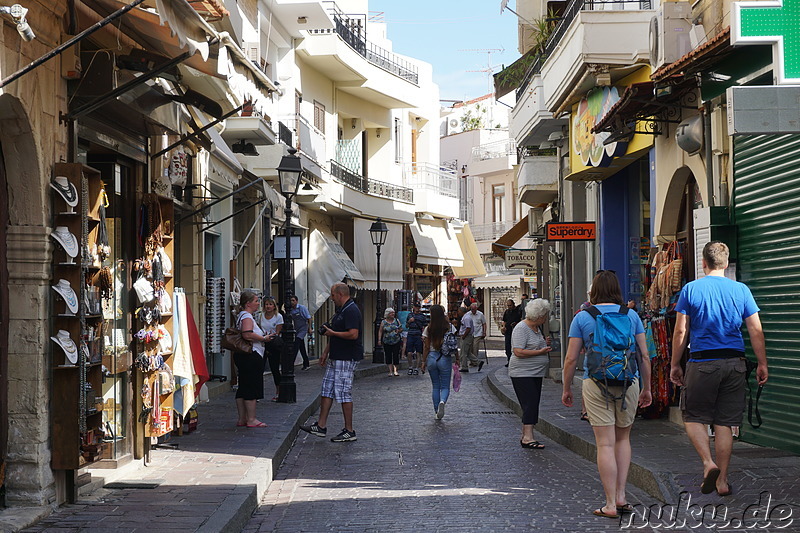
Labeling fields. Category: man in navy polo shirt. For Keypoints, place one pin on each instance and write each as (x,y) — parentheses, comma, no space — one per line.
(345,348)
(710,313)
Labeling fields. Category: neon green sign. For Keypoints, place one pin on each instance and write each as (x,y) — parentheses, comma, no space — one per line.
(772,22)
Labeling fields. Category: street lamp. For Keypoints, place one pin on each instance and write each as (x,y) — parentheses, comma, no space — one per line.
(289,172)
(377,232)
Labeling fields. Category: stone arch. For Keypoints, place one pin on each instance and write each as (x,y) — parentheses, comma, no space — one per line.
(672,201)
(28,251)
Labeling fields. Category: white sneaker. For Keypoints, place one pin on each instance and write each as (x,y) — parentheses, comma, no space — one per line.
(440,411)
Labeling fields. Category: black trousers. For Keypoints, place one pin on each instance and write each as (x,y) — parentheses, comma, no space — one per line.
(529,392)
(300,344)
(509,353)
(272,351)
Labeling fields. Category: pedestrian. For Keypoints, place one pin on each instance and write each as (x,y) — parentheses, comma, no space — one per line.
(611,413)
(710,312)
(479,334)
(345,348)
(511,318)
(271,323)
(440,348)
(466,338)
(249,365)
(528,366)
(389,336)
(402,316)
(300,318)
(415,324)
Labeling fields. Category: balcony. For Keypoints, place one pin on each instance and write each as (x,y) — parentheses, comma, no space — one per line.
(537,180)
(298,132)
(491,232)
(493,158)
(588,34)
(531,122)
(436,188)
(369,186)
(252,129)
(360,67)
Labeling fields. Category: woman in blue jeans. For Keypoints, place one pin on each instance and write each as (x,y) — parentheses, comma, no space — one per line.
(438,365)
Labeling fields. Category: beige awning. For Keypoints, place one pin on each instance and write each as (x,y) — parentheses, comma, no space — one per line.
(328,263)
(473,264)
(436,243)
(497,282)
(510,238)
(391,256)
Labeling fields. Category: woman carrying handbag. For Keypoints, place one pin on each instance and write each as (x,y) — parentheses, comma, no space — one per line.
(249,365)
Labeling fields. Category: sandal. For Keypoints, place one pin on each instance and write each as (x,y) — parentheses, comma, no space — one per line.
(625,508)
(585,416)
(709,484)
(259,425)
(729,492)
(600,512)
(532,445)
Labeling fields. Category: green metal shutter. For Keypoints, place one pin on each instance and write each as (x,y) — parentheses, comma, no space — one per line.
(766,210)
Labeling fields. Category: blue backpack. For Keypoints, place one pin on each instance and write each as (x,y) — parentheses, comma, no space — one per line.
(610,356)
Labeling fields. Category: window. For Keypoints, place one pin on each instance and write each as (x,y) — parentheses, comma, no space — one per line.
(498,199)
(398,141)
(319,116)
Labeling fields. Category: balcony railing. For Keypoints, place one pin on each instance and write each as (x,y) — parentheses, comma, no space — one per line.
(369,186)
(569,14)
(435,178)
(494,150)
(353,32)
(284,134)
(304,137)
(491,232)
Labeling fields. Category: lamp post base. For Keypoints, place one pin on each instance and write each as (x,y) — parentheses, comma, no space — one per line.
(288,387)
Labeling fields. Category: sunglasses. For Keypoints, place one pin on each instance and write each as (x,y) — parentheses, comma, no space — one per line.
(605,270)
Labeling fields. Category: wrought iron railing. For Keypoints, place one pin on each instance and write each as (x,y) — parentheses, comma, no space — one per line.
(569,14)
(284,134)
(494,150)
(372,187)
(534,151)
(352,31)
(434,178)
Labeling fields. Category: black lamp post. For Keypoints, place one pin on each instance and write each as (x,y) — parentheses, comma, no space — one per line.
(378,231)
(289,172)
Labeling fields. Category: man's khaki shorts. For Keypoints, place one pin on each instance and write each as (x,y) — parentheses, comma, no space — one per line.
(610,414)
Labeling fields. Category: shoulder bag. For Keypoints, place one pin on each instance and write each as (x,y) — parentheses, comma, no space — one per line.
(232,340)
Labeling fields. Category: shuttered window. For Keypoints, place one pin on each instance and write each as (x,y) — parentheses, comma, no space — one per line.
(319,116)
(766,210)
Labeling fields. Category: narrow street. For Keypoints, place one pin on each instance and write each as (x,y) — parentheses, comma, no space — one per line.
(408,471)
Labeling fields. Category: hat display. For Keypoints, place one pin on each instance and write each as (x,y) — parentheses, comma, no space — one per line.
(64,289)
(66,343)
(66,190)
(66,239)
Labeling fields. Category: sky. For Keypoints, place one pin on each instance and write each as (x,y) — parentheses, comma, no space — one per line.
(437,32)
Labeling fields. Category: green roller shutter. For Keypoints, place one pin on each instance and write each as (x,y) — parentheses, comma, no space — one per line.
(766,211)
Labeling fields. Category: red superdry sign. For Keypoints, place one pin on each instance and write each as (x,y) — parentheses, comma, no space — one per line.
(570,231)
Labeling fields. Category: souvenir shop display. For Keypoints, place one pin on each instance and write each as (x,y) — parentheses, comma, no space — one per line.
(215,315)
(77,342)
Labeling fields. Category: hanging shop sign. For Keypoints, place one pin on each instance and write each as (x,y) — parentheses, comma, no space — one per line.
(525,259)
(295,247)
(772,23)
(570,231)
(595,149)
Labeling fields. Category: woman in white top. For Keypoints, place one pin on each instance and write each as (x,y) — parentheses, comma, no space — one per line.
(272,324)
(437,361)
(249,365)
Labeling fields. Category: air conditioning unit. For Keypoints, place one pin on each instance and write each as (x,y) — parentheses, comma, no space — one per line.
(252,50)
(536,222)
(669,33)
(453,126)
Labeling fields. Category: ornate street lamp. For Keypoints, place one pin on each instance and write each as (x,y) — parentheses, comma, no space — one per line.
(377,232)
(289,172)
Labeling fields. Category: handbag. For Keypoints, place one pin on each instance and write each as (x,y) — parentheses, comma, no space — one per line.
(456,377)
(674,267)
(232,340)
(144,290)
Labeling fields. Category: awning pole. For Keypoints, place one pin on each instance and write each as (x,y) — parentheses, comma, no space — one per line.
(195,133)
(57,50)
(215,202)
(253,227)
(240,211)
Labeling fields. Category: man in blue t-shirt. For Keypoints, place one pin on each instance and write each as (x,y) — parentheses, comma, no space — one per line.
(710,312)
(345,348)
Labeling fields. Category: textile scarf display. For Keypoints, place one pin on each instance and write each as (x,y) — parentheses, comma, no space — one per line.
(183,364)
(657,336)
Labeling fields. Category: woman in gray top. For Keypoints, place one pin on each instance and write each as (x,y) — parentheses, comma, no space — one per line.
(528,365)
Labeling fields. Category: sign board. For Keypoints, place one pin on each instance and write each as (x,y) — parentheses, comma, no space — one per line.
(773,22)
(766,109)
(570,231)
(279,247)
(525,259)
(530,272)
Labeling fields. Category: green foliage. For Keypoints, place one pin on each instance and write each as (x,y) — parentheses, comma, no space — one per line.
(473,121)
(514,75)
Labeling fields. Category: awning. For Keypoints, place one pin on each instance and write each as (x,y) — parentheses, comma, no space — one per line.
(497,282)
(223,160)
(391,256)
(510,238)
(436,243)
(473,264)
(328,264)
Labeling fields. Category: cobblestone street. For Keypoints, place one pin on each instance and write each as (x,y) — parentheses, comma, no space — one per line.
(410,472)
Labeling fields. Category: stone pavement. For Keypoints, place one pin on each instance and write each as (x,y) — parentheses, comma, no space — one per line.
(219,473)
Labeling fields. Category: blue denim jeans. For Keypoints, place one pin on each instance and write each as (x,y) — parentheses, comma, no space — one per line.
(440,372)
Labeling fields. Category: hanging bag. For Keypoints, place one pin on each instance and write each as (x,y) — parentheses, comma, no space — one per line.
(674,272)
(456,377)
(232,340)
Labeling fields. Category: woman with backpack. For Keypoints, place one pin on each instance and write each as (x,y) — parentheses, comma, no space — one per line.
(612,387)
(439,348)
(528,365)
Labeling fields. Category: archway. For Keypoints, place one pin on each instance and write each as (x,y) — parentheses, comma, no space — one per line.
(677,219)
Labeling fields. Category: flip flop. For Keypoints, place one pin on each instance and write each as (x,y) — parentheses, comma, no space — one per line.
(730,491)
(627,508)
(710,481)
(240,425)
(599,512)
(532,445)
(259,425)
(585,416)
